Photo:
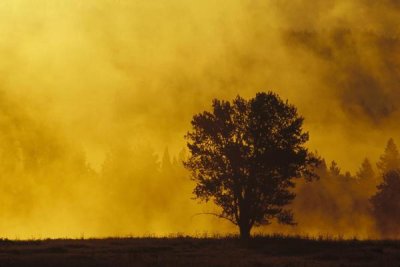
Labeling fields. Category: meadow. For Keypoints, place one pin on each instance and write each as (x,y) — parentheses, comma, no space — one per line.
(190,251)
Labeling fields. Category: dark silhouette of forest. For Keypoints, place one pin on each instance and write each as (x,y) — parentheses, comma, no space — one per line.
(362,204)
(336,202)
(245,155)
(352,200)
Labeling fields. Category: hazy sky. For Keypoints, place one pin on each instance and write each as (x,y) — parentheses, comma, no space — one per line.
(106,71)
(87,76)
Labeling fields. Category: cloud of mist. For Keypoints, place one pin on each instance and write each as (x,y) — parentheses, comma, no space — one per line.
(88,84)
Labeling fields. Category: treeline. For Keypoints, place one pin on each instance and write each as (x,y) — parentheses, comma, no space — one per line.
(138,192)
(366,203)
(148,194)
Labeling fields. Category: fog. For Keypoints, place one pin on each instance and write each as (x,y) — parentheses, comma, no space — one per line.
(93,93)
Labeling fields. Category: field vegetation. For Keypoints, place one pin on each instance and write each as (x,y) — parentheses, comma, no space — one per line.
(201,251)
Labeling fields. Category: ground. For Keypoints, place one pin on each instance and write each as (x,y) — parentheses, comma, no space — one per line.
(186,251)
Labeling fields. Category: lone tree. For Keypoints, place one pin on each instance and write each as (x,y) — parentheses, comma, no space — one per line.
(244,156)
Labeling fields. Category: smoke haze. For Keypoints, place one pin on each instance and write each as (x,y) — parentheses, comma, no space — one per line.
(92,93)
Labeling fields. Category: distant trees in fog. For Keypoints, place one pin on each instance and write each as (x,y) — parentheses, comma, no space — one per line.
(244,155)
(386,201)
(145,191)
(363,203)
(390,160)
(386,204)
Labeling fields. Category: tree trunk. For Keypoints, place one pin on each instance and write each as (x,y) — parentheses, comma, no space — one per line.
(244,232)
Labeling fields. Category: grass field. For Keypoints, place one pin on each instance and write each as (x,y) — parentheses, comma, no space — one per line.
(186,251)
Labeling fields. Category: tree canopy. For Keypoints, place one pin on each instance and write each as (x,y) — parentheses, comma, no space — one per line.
(244,156)
(390,160)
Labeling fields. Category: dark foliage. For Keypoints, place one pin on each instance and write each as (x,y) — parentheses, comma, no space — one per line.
(386,201)
(386,204)
(244,157)
(390,160)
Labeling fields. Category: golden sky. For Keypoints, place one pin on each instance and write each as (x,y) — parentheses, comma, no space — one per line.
(80,78)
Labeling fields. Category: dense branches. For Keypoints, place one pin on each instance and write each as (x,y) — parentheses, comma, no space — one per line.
(244,156)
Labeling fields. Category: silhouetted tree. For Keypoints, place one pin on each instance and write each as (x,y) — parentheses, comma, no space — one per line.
(334,169)
(321,170)
(390,160)
(366,172)
(386,204)
(348,177)
(366,178)
(244,156)
(338,197)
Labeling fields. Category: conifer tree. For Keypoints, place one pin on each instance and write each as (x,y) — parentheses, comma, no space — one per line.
(390,160)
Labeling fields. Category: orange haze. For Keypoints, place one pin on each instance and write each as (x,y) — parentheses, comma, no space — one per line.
(92,92)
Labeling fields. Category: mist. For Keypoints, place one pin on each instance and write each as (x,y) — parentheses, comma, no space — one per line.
(93,93)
